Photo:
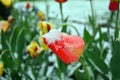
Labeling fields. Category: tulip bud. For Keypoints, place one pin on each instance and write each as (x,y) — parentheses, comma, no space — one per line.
(61,1)
(4,25)
(41,15)
(10,19)
(27,5)
(113,6)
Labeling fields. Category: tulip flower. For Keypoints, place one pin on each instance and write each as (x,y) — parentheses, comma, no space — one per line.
(67,47)
(4,25)
(7,3)
(33,49)
(1,68)
(27,5)
(41,15)
(45,27)
(60,1)
(113,6)
(10,19)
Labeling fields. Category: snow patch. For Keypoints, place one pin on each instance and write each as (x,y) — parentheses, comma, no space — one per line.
(52,36)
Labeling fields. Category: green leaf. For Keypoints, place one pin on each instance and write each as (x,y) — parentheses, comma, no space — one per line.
(4,39)
(115,61)
(7,59)
(13,38)
(87,37)
(100,36)
(80,75)
(62,66)
(64,27)
(20,41)
(97,61)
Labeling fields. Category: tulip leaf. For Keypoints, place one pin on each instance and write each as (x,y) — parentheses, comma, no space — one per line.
(80,75)
(13,38)
(115,61)
(4,39)
(96,61)
(87,37)
(20,41)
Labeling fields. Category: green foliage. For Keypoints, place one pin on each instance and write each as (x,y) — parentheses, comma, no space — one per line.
(94,64)
(115,61)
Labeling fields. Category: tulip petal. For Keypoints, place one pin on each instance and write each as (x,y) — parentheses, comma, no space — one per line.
(68,48)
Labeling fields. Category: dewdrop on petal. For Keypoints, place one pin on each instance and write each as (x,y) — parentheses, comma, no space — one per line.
(67,47)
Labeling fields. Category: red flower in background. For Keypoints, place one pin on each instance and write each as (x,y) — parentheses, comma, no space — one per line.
(27,5)
(113,6)
(61,1)
(68,48)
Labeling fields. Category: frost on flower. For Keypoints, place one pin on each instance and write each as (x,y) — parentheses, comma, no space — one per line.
(67,47)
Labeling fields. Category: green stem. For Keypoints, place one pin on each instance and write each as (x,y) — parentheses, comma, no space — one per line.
(47,10)
(64,28)
(59,70)
(116,34)
(93,17)
(109,23)
(85,68)
(92,10)
(61,12)
(74,27)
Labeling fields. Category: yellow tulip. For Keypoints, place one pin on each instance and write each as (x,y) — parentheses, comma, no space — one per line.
(1,68)
(33,49)
(7,3)
(41,15)
(4,25)
(42,42)
(45,27)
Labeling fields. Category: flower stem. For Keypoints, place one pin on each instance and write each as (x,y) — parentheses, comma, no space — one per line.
(85,67)
(92,10)
(61,12)
(59,69)
(93,17)
(64,28)
(116,34)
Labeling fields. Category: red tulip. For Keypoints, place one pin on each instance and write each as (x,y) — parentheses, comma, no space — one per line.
(68,48)
(113,6)
(61,1)
(27,5)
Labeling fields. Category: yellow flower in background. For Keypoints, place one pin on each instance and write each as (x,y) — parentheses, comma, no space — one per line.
(42,42)
(41,15)
(4,25)
(44,28)
(7,3)
(1,68)
(33,49)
